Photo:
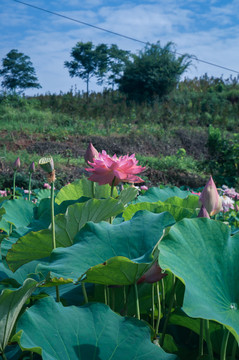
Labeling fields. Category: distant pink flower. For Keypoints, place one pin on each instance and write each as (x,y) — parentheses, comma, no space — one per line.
(153,275)
(143,187)
(47,186)
(210,198)
(106,169)
(227,203)
(195,193)
(231,192)
(3,193)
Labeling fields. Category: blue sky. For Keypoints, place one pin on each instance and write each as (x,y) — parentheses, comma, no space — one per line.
(208,29)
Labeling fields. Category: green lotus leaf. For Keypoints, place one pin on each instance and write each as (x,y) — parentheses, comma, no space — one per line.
(37,245)
(18,212)
(97,243)
(127,195)
(203,254)
(11,303)
(178,207)
(155,194)
(84,187)
(92,332)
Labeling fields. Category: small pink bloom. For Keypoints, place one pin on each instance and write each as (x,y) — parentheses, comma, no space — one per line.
(106,169)
(210,198)
(227,203)
(144,187)
(3,193)
(153,275)
(91,154)
(47,186)
(195,193)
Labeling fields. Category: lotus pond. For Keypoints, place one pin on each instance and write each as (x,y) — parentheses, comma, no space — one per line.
(131,275)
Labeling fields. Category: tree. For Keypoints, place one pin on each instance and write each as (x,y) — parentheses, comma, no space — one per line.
(88,61)
(117,61)
(18,72)
(153,73)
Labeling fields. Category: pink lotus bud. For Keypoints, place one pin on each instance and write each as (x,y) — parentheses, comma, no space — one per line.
(32,168)
(210,198)
(153,275)
(91,154)
(16,164)
(203,213)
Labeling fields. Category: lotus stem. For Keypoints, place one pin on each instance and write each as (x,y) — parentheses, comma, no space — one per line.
(14,184)
(93,189)
(113,298)
(4,356)
(84,292)
(234,349)
(105,295)
(224,344)
(163,296)
(29,186)
(159,308)
(152,305)
(201,340)
(208,339)
(137,301)
(171,302)
(53,231)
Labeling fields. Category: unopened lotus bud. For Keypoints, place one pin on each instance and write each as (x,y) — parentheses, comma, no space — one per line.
(210,198)
(47,164)
(16,164)
(32,168)
(153,275)
(203,212)
(91,154)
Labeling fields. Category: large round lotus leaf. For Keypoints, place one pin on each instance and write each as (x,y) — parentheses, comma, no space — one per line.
(133,239)
(18,212)
(202,253)
(11,303)
(90,332)
(155,194)
(179,208)
(84,187)
(37,245)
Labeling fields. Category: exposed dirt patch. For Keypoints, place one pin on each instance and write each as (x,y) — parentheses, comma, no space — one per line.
(75,146)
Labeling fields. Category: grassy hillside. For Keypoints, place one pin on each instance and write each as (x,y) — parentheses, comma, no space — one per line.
(190,134)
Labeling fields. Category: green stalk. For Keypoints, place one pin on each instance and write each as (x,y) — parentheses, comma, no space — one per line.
(3,356)
(14,184)
(152,305)
(224,344)
(93,189)
(29,186)
(54,232)
(171,302)
(163,296)
(137,301)
(208,339)
(105,295)
(84,292)
(201,337)
(113,299)
(234,349)
(159,309)
(112,187)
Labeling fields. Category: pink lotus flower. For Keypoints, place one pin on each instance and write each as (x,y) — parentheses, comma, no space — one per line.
(113,170)
(153,275)
(47,186)
(210,198)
